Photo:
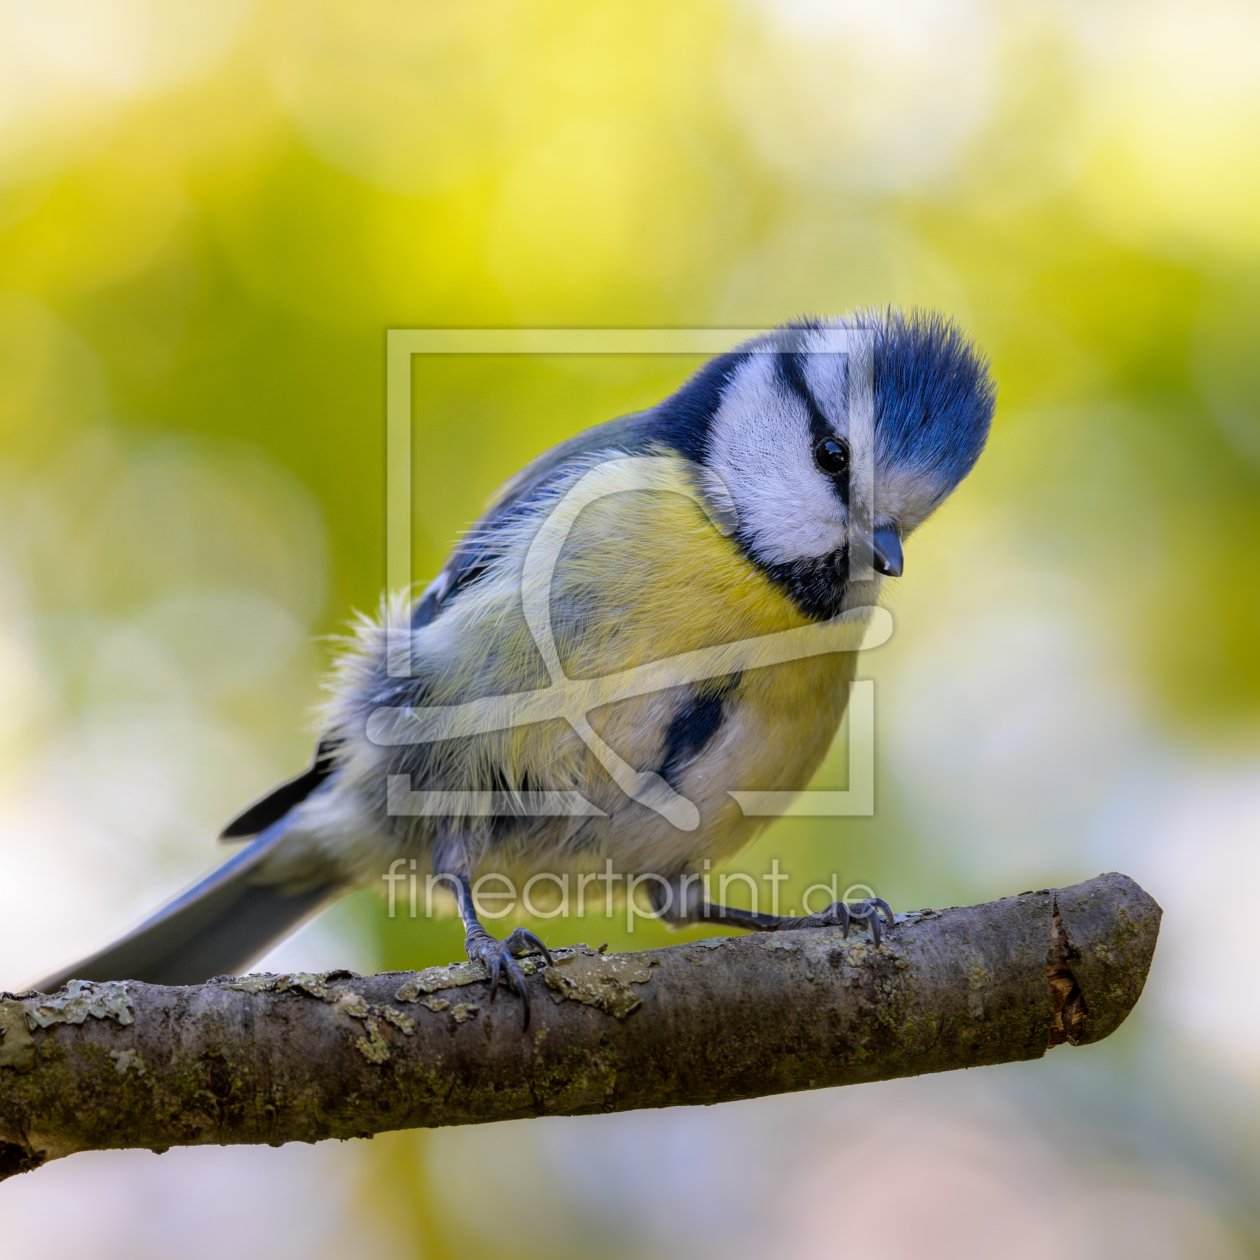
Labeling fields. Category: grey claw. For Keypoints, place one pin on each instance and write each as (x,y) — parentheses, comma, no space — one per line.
(524,992)
(516,978)
(523,941)
(838,912)
(868,912)
(498,957)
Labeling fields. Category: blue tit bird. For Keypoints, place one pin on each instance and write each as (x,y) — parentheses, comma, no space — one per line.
(631,567)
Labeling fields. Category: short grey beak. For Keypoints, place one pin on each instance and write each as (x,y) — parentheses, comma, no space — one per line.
(887,548)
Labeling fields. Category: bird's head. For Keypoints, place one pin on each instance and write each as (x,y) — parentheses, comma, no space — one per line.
(820,439)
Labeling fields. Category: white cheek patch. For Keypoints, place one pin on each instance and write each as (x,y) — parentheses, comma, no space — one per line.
(761,451)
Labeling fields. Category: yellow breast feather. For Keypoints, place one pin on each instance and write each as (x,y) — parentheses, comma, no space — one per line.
(643,576)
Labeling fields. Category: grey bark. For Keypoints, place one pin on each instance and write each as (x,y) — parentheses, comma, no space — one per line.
(278,1059)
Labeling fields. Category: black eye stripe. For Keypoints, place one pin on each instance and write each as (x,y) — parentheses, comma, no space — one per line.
(791,369)
(792,372)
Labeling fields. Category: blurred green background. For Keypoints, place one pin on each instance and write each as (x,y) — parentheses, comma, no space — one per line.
(211,213)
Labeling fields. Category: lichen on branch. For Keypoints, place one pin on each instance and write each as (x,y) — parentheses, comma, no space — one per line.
(281,1058)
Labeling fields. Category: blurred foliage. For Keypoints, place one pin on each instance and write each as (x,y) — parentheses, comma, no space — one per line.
(230,246)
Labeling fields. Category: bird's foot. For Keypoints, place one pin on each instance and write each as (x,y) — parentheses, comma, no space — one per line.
(843,914)
(500,957)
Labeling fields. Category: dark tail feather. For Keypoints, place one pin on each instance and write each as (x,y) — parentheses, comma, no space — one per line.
(217,927)
(273,807)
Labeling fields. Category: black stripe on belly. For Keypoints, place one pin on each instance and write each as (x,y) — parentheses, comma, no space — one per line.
(693,726)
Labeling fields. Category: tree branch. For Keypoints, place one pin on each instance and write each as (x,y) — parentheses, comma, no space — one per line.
(299,1058)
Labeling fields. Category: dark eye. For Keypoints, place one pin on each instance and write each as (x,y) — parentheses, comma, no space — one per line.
(831,456)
